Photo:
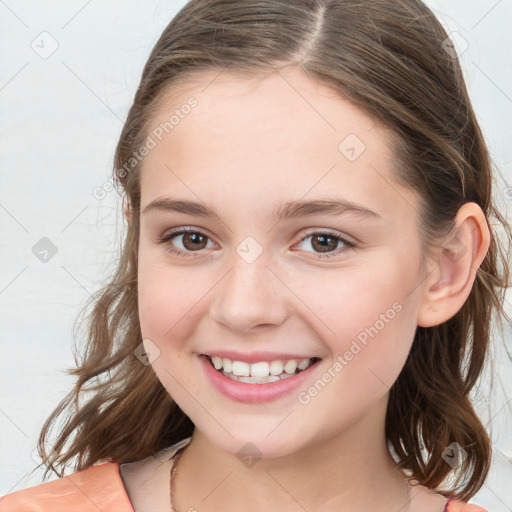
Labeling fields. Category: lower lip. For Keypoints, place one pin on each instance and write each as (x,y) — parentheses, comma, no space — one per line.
(253,393)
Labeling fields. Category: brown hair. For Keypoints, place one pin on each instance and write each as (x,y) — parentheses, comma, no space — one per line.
(389,58)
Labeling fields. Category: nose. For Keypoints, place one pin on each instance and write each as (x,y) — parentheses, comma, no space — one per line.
(250,295)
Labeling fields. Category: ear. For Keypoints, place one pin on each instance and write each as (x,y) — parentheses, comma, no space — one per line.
(449,284)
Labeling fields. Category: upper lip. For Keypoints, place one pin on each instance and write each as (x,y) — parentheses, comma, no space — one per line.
(255,357)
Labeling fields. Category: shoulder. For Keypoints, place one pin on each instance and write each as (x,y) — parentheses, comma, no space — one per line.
(97,488)
(460,506)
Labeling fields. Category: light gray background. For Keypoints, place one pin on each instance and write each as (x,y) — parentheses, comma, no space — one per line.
(60,118)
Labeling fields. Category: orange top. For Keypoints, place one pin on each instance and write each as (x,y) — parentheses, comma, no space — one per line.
(453,506)
(96,488)
(101,487)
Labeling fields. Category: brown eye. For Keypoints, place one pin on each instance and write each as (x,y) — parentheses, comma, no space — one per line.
(325,244)
(190,241)
(193,241)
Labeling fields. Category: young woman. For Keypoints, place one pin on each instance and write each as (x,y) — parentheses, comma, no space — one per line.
(304,298)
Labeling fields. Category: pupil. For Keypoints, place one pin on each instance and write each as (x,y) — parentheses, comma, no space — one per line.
(323,239)
(196,238)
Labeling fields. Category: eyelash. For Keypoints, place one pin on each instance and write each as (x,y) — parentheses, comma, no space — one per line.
(181,231)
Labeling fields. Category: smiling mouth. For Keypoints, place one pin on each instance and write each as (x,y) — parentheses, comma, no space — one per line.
(262,372)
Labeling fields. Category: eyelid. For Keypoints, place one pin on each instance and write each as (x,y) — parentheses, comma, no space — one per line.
(332,232)
(169,233)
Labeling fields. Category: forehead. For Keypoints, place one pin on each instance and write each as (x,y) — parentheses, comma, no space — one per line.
(260,108)
(281,133)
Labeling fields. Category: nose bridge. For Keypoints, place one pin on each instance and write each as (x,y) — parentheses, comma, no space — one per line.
(249,294)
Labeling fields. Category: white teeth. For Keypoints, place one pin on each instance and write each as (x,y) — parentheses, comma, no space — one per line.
(290,366)
(259,369)
(227,364)
(241,369)
(256,380)
(303,364)
(276,368)
(260,372)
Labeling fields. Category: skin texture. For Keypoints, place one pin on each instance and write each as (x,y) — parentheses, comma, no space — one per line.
(249,145)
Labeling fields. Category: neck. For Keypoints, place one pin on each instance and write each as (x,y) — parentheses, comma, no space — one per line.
(351,470)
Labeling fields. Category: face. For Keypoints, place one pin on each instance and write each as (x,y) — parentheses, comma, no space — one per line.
(261,285)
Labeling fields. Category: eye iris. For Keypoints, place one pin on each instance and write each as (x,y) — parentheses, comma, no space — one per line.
(322,243)
(323,246)
(196,237)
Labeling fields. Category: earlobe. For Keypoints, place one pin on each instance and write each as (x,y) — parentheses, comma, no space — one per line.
(448,286)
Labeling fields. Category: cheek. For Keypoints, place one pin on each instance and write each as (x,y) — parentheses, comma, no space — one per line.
(352,301)
(170,301)
(369,319)
(169,310)
(373,338)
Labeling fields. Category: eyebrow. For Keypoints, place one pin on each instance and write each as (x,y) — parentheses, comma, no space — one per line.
(287,210)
